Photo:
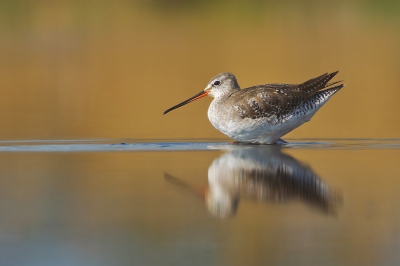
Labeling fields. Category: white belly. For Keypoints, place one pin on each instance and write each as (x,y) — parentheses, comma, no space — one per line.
(261,130)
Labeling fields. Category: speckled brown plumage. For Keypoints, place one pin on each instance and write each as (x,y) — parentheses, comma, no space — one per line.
(279,100)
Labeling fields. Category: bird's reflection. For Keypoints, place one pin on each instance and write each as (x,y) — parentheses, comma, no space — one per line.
(263,174)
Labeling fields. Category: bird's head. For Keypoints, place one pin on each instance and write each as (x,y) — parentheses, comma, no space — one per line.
(220,85)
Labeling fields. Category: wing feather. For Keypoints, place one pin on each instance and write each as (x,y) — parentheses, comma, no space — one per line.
(278,100)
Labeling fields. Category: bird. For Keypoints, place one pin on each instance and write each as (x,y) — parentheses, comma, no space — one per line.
(262,114)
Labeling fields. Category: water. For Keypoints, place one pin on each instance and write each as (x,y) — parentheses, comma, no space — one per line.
(204,202)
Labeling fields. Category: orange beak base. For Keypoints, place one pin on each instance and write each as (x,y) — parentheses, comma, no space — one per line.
(194,98)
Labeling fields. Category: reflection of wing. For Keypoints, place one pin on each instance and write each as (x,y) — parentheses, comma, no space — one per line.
(282,183)
(264,173)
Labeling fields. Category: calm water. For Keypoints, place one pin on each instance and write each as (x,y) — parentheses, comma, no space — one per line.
(311,202)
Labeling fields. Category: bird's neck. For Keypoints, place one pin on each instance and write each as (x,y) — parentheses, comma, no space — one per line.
(226,93)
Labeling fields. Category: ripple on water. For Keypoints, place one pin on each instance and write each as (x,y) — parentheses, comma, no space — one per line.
(184,145)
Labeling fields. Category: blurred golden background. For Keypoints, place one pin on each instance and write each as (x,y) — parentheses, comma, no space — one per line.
(108,69)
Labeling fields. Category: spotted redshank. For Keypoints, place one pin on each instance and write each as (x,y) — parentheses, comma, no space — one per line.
(262,114)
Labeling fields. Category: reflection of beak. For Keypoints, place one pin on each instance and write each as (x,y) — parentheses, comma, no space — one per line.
(194,98)
(200,191)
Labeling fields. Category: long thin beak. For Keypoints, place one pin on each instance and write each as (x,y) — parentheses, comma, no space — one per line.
(194,98)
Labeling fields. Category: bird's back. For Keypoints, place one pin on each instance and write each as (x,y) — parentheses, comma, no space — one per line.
(280,100)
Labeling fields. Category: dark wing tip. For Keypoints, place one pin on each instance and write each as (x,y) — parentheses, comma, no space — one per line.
(334,73)
(333,83)
(332,90)
(316,84)
(331,75)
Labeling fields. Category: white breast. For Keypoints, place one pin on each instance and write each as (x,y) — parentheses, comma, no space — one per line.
(261,130)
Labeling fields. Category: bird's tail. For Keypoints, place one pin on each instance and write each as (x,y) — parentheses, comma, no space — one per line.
(317,84)
(328,92)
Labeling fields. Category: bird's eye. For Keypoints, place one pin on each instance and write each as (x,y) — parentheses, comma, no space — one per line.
(216,83)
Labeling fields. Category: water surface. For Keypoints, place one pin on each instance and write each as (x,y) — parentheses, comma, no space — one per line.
(200,202)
